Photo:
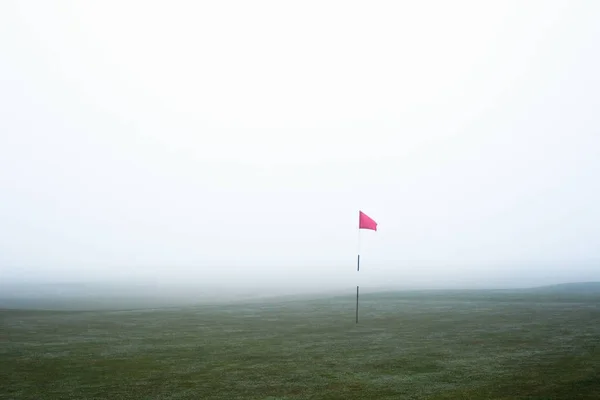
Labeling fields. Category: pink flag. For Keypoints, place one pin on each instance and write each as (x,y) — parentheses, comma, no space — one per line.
(365,222)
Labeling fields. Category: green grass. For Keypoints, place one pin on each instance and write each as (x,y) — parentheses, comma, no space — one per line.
(420,345)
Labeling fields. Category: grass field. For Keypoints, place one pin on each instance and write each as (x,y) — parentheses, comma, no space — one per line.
(413,345)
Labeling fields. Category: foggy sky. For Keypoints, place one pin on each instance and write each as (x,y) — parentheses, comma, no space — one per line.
(235,142)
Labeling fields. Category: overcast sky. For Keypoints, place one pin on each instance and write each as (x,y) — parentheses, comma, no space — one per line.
(235,142)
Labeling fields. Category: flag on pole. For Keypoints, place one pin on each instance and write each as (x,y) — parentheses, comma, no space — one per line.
(366,222)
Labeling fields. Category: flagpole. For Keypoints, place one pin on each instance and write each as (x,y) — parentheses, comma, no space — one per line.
(364,222)
(357,304)
(357,270)
(358,252)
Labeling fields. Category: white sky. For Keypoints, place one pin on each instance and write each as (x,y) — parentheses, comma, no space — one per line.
(236,141)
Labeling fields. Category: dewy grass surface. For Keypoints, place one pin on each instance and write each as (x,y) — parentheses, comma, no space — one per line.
(427,345)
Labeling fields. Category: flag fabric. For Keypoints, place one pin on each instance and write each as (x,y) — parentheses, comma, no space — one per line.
(366,222)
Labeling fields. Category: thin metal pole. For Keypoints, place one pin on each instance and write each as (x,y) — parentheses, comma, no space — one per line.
(358,251)
(357,304)
(357,269)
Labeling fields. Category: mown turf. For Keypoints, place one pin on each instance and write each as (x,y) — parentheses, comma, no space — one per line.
(430,345)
